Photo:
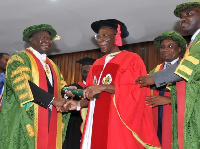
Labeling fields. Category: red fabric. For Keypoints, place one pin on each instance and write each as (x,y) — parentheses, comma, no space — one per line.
(53,122)
(46,139)
(181,89)
(167,120)
(118,39)
(82,84)
(109,131)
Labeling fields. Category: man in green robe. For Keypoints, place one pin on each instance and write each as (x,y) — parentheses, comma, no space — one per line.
(186,103)
(29,119)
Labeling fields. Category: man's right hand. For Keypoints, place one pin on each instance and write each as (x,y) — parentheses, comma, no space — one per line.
(145,80)
(58,102)
(69,93)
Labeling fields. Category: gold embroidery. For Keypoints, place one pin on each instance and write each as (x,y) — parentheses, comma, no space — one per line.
(19,70)
(15,58)
(24,96)
(30,130)
(21,86)
(185,69)
(149,146)
(21,78)
(192,59)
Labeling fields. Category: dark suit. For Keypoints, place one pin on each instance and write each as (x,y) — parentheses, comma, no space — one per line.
(160,78)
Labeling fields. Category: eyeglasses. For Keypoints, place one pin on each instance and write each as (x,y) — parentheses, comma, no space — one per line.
(104,36)
(44,38)
(171,47)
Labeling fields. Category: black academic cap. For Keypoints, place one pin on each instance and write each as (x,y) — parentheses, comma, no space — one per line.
(110,23)
(86,61)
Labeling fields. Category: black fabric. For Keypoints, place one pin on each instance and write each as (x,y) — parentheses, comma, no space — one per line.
(51,91)
(110,23)
(73,134)
(86,61)
(41,97)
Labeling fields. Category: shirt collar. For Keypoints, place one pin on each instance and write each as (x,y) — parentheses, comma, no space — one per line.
(172,62)
(195,34)
(38,55)
(113,54)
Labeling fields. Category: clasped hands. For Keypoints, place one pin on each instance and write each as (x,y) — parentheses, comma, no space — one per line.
(88,94)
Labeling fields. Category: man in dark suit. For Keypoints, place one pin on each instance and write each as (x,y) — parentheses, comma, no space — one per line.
(186,116)
(172,47)
(74,129)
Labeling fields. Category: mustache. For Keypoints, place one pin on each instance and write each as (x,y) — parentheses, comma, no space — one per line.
(181,22)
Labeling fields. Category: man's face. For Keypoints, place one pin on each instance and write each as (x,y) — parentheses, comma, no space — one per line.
(84,71)
(106,39)
(190,19)
(41,41)
(169,50)
(3,62)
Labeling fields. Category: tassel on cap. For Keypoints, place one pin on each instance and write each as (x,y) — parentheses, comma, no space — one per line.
(118,39)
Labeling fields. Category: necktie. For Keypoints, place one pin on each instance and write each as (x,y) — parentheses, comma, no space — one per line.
(167,64)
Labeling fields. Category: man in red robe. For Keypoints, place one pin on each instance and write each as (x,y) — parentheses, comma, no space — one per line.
(119,118)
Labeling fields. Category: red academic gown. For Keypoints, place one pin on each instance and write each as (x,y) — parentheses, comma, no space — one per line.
(121,120)
(166,120)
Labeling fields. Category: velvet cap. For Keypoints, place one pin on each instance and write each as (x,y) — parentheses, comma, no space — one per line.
(86,61)
(182,6)
(35,28)
(172,36)
(110,23)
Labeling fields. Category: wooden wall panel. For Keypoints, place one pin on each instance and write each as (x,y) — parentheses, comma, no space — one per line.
(71,70)
(68,66)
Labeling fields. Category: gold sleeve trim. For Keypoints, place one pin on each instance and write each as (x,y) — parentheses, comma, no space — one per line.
(15,58)
(21,87)
(21,78)
(30,130)
(19,70)
(180,75)
(147,146)
(24,96)
(192,59)
(185,69)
